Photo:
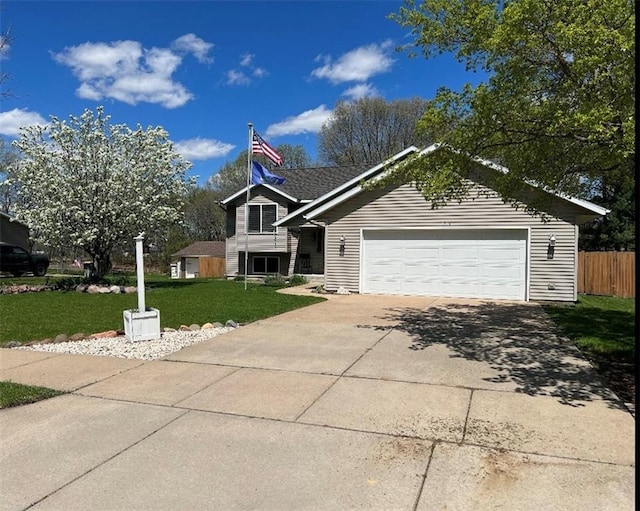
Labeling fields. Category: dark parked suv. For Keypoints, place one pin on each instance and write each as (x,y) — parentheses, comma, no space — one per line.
(17,260)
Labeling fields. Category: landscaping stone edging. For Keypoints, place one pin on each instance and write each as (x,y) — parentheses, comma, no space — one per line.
(80,288)
(110,334)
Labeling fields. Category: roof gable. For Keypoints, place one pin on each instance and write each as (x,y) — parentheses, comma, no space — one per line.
(371,171)
(353,188)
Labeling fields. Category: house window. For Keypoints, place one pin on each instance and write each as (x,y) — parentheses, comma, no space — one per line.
(261,218)
(266,264)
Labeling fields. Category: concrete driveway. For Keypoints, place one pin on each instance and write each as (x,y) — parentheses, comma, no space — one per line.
(360,402)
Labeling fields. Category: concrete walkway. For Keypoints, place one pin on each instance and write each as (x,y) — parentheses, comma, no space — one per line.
(359,402)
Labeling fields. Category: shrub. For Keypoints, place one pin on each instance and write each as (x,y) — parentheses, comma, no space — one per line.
(275,280)
(297,280)
(118,280)
(70,283)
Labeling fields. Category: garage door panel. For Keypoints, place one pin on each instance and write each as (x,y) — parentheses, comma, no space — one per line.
(502,291)
(421,253)
(381,283)
(507,274)
(489,254)
(452,270)
(466,263)
(421,288)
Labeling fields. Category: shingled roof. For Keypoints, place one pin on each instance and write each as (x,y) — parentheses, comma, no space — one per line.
(307,184)
(203,249)
(311,183)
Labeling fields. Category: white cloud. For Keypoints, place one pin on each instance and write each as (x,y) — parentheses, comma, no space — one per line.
(191,43)
(356,65)
(260,72)
(361,90)
(239,77)
(95,61)
(310,121)
(127,72)
(13,120)
(5,46)
(202,148)
(235,77)
(246,60)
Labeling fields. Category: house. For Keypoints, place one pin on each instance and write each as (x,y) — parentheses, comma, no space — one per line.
(295,249)
(200,259)
(389,240)
(13,232)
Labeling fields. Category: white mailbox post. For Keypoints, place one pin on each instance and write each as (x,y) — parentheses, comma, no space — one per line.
(141,324)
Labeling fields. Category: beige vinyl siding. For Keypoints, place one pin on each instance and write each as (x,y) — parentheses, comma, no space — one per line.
(258,243)
(404,207)
(293,249)
(231,245)
(231,261)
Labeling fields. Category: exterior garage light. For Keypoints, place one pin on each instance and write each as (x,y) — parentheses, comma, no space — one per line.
(552,246)
(342,241)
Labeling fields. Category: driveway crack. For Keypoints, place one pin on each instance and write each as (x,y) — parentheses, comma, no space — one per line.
(342,374)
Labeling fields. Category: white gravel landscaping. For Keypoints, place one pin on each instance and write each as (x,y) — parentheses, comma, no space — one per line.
(121,347)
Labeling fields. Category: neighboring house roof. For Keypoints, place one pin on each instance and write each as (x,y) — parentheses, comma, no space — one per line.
(203,249)
(307,184)
(352,188)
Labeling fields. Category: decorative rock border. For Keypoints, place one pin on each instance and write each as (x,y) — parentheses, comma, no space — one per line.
(121,347)
(23,288)
(80,288)
(111,334)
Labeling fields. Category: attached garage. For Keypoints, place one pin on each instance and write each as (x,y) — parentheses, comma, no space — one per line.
(471,263)
(391,240)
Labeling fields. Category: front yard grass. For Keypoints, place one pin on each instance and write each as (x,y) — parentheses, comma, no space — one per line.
(603,327)
(16,394)
(35,316)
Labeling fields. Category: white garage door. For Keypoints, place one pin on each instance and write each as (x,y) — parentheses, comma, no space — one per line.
(474,263)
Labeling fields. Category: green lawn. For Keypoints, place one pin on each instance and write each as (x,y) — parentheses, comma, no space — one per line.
(601,325)
(36,316)
(603,328)
(16,394)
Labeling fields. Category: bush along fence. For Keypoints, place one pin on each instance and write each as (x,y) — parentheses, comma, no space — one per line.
(607,273)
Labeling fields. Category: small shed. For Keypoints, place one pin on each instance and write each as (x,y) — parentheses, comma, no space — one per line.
(200,259)
(14,232)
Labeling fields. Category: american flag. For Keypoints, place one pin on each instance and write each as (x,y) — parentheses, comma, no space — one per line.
(259,146)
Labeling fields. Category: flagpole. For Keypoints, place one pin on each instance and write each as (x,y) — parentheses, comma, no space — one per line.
(246,209)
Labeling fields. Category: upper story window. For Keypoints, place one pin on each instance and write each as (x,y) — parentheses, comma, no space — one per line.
(261,217)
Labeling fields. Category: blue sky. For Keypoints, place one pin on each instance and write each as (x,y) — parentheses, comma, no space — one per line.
(204,69)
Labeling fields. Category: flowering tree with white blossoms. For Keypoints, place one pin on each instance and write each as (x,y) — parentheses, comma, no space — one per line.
(89,184)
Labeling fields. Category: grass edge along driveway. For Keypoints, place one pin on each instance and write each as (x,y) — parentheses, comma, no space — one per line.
(603,328)
(17,394)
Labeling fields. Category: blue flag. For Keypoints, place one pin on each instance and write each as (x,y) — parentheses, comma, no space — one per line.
(260,175)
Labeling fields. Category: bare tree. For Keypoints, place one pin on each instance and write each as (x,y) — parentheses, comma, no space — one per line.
(370,130)
(8,185)
(204,219)
(5,45)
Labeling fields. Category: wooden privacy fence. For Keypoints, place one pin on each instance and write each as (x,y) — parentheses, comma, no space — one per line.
(607,273)
(212,267)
